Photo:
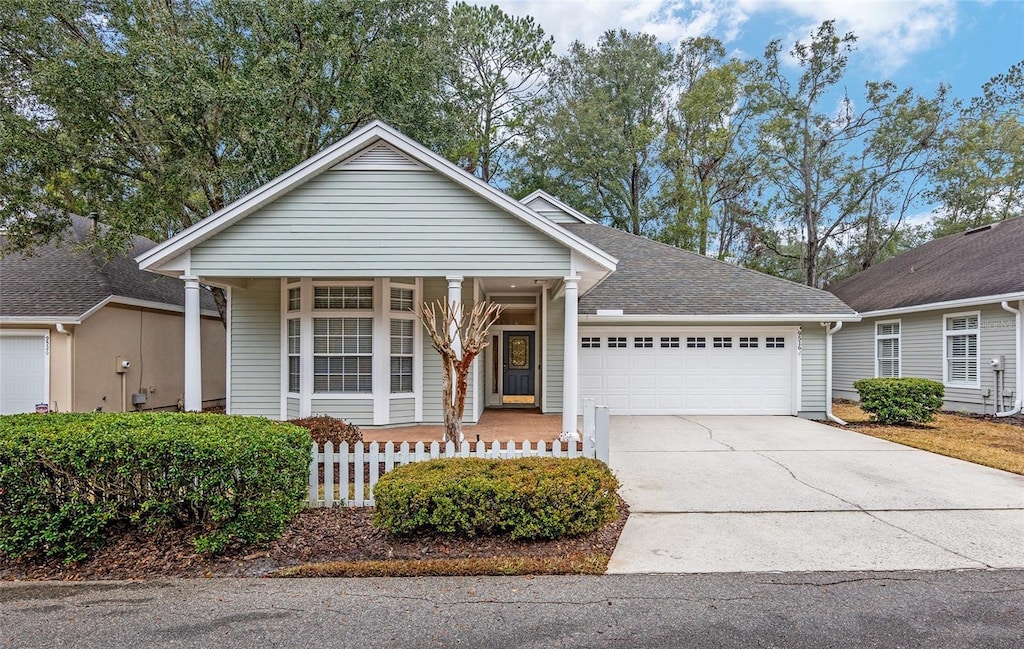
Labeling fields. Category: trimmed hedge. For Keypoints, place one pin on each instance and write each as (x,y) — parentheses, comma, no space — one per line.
(66,478)
(900,401)
(527,498)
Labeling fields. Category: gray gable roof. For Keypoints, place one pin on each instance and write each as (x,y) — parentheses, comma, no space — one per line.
(977,263)
(661,280)
(66,280)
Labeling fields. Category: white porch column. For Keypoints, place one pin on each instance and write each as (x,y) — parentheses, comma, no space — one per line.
(570,367)
(455,297)
(193,347)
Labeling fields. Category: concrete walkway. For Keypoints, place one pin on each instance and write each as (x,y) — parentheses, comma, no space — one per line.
(734,494)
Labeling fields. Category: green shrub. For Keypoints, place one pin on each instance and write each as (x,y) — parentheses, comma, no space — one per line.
(325,428)
(66,478)
(527,498)
(900,401)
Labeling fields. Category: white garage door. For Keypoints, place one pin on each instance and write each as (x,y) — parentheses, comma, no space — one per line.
(23,372)
(679,370)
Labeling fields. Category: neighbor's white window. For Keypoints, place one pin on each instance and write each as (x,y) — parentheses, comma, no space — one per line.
(887,349)
(962,349)
(343,355)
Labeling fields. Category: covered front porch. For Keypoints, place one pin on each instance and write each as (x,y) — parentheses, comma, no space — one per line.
(353,348)
(495,425)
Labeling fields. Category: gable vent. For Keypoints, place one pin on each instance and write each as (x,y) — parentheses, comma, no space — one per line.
(379,157)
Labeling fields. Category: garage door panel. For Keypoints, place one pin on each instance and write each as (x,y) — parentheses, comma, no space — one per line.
(690,380)
(23,375)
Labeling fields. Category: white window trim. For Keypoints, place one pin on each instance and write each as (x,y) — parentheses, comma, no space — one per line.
(945,348)
(381,316)
(898,337)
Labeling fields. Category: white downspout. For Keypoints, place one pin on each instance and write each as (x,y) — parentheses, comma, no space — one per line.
(1020,359)
(829,332)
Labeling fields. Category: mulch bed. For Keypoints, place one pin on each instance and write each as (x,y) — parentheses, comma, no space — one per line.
(320,536)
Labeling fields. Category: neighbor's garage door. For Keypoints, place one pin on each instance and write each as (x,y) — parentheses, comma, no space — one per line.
(723,371)
(23,375)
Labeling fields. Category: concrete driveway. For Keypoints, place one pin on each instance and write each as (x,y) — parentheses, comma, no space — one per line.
(733,494)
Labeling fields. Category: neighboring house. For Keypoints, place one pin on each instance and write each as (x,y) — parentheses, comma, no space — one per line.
(68,315)
(948,311)
(325,266)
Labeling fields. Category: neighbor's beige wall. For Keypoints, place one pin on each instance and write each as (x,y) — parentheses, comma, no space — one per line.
(154,342)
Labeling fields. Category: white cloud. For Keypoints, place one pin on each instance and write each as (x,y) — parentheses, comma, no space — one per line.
(891,31)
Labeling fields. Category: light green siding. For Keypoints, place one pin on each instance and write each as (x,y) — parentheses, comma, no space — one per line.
(380,223)
(402,411)
(812,376)
(256,349)
(921,342)
(293,408)
(555,337)
(355,411)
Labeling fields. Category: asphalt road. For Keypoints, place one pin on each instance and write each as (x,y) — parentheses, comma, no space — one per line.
(891,610)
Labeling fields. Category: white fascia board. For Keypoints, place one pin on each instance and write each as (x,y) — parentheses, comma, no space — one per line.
(942,306)
(751,317)
(569,210)
(332,155)
(39,320)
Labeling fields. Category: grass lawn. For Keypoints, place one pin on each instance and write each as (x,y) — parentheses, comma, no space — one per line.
(976,440)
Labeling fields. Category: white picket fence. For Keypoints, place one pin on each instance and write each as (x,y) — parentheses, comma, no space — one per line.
(344,476)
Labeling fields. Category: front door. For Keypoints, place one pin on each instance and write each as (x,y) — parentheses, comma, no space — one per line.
(518,369)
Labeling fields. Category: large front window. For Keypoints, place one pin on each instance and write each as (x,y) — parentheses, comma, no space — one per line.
(962,349)
(341,336)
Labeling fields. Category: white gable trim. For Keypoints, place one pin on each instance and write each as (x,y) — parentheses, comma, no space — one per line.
(540,194)
(358,141)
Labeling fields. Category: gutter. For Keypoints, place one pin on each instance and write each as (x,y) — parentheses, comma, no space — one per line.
(829,332)
(1019,366)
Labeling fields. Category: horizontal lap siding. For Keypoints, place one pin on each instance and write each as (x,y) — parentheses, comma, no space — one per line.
(256,349)
(354,411)
(852,357)
(812,377)
(921,342)
(293,408)
(402,411)
(556,353)
(390,223)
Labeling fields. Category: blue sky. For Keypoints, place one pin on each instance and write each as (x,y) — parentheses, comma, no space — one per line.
(917,43)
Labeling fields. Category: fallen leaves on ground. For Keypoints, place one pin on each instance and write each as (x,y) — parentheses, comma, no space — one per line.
(982,440)
(337,541)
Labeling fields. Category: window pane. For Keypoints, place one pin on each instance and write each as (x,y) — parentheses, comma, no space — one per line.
(342,297)
(294,339)
(401,299)
(294,299)
(401,374)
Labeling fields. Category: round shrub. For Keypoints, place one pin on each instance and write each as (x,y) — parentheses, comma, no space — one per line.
(900,401)
(527,498)
(66,478)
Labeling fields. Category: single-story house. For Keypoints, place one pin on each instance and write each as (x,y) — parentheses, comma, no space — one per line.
(950,311)
(80,332)
(325,265)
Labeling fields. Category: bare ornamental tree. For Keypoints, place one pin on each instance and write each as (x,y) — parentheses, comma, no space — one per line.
(458,337)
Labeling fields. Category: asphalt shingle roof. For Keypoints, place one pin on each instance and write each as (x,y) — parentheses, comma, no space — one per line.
(66,280)
(658,279)
(977,263)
